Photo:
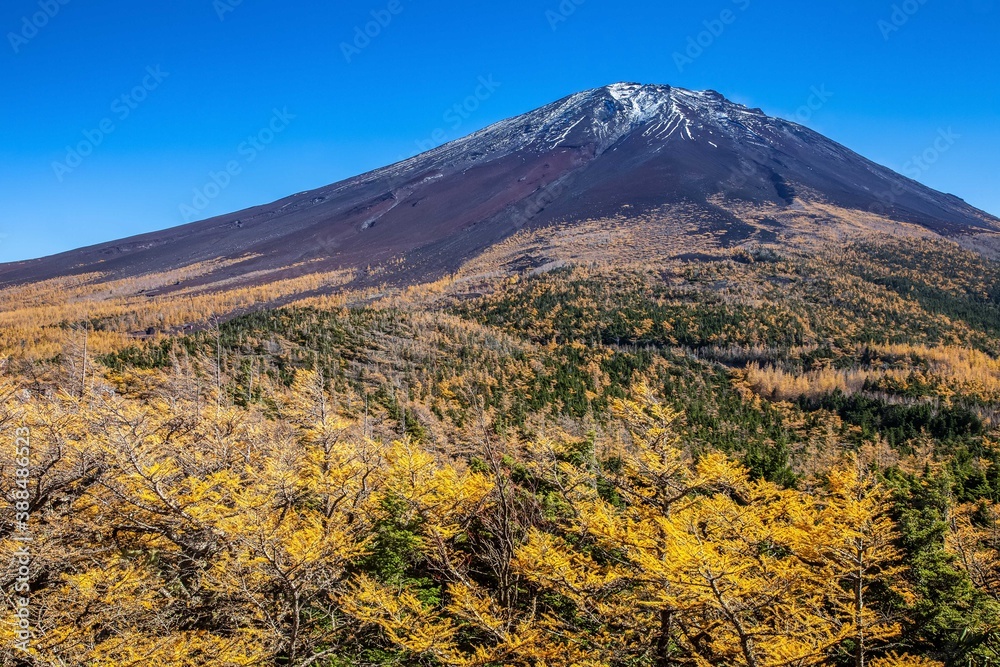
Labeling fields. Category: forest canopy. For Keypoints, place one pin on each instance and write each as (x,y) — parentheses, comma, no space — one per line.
(771,459)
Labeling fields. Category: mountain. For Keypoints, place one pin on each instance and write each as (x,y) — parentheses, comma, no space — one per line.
(707,407)
(623,150)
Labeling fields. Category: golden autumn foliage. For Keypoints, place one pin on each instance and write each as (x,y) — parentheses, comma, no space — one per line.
(39,320)
(975,539)
(219,536)
(715,566)
(948,370)
(501,479)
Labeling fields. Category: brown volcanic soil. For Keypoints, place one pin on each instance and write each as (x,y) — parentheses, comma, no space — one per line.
(620,150)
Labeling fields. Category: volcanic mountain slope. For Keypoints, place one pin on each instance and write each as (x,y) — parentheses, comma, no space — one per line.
(620,151)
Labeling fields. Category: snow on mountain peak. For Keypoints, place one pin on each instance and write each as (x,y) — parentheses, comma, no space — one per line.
(601,117)
(621,91)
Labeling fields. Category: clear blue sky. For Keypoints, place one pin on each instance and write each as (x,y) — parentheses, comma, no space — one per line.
(892,90)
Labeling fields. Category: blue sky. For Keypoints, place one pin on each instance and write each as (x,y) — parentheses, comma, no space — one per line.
(125,117)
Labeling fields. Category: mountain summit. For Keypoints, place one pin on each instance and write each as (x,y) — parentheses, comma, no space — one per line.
(623,150)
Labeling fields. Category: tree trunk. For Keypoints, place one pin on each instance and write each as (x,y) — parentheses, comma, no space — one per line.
(663,640)
(859,601)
